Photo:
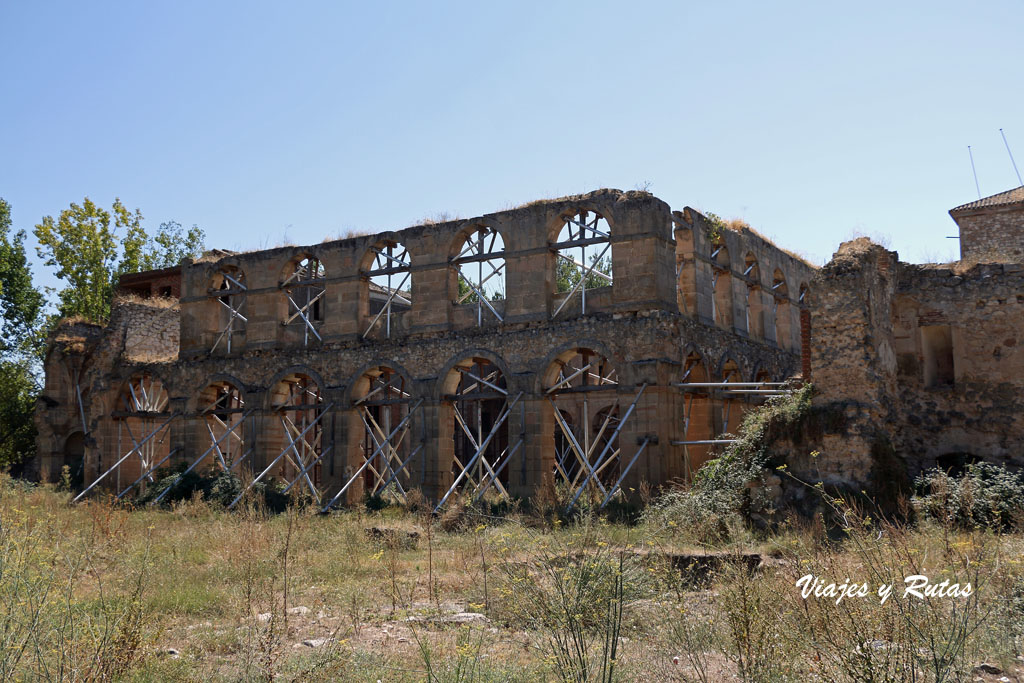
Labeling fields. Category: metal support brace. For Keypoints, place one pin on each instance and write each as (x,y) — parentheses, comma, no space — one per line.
(291,445)
(496,472)
(235,311)
(148,473)
(214,445)
(600,459)
(622,476)
(302,312)
(135,449)
(581,285)
(479,451)
(387,308)
(367,460)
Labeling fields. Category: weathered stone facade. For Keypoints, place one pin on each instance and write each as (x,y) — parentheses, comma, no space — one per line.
(300,363)
(917,366)
(992,228)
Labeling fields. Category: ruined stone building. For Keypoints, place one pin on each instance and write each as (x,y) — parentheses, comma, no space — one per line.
(923,365)
(487,356)
(585,341)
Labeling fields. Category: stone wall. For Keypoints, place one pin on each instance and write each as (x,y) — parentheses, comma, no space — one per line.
(82,365)
(916,366)
(686,302)
(151,330)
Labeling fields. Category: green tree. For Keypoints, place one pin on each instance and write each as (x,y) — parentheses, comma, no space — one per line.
(83,244)
(21,316)
(18,392)
(568,274)
(21,304)
(168,247)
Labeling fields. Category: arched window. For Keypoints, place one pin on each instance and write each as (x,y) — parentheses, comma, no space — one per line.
(721,285)
(385,408)
(782,312)
(480,272)
(143,427)
(584,383)
(388,277)
(304,287)
(698,418)
(478,398)
(583,258)
(222,411)
(578,380)
(754,307)
(228,289)
(298,407)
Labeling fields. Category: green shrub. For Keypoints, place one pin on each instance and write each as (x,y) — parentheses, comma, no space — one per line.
(719,497)
(985,496)
(217,487)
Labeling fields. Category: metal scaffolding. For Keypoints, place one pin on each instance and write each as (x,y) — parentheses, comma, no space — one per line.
(227,442)
(592,239)
(144,401)
(483,248)
(305,288)
(300,458)
(584,457)
(383,466)
(481,452)
(387,412)
(728,392)
(230,294)
(390,261)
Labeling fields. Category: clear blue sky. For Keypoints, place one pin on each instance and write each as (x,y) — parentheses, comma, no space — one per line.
(264,122)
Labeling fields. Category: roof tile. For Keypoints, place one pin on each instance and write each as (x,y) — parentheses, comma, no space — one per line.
(1013,196)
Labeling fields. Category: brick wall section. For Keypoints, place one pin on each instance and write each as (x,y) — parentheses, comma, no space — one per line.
(170,281)
(993,234)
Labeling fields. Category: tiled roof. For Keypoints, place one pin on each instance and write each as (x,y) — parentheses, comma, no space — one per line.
(1013,196)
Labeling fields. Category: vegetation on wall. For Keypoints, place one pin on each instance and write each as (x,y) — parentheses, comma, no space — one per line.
(720,496)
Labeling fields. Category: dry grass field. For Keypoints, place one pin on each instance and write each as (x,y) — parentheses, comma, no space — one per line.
(99,592)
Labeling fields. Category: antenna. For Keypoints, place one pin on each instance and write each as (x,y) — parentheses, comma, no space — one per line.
(976,186)
(1011,156)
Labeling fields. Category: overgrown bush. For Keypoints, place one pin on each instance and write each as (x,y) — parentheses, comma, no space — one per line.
(214,486)
(985,496)
(720,496)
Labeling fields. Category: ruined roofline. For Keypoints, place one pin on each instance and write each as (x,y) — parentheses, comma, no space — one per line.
(969,267)
(129,279)
(740,227)
(216,256)
(133,299)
